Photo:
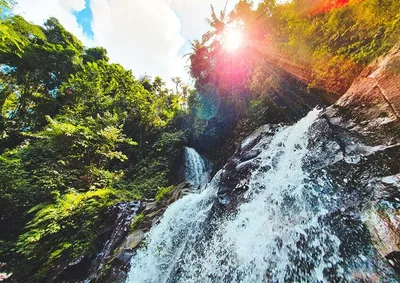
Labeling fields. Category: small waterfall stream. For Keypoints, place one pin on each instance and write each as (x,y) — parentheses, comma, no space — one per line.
(195,171)
(280,232)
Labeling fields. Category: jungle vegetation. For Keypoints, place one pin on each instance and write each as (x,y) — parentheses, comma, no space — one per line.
(79,134)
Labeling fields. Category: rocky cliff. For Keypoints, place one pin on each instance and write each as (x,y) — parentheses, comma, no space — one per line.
(355,147)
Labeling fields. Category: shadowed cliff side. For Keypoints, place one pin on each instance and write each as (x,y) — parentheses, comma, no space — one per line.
(355,147)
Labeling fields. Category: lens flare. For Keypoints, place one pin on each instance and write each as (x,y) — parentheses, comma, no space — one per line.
(313,7)
(233,37)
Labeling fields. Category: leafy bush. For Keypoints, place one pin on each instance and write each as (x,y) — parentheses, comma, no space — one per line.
(62,231)
(159,168)
(69,122)
(163,193)
(138,220)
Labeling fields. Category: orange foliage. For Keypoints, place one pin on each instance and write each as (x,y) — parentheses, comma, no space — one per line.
(313,7)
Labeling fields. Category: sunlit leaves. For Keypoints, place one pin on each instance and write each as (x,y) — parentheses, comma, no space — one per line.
(72,121)
(349,36)
(63,229)
(32,72)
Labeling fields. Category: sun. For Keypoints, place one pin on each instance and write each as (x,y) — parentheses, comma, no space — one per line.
(233,37)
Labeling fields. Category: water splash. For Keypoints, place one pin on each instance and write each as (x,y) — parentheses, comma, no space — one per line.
(182,223)
(276,234)
(280,232)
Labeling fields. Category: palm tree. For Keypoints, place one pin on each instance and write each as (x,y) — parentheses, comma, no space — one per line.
(196,45)
(198,59)
(216,23)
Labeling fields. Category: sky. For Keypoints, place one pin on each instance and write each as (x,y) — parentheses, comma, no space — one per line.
(147,36)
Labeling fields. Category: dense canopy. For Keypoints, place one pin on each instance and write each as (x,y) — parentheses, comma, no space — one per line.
(79,134)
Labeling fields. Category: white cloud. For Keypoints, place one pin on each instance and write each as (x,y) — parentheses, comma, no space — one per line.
(145,36)
(142,35)
(38,11)
(75,5)
(193,14)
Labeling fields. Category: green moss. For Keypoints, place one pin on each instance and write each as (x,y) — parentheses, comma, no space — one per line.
(163,193)
(64,230)
(138,220)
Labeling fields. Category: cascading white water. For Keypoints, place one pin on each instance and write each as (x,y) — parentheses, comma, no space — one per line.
(195,168)
(276,234)
(166,243)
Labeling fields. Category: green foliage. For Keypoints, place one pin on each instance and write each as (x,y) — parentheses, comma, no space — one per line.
(163,193)
(95,54)
(340,42)
(15,196)
(64,230)
(32,73)
(77,134)
(322,44)
(9,37)
(137,221)
(108,87)
(58,35)
(156,170)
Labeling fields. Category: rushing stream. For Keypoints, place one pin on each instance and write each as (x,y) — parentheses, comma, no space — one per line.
(281,231)
(195,168)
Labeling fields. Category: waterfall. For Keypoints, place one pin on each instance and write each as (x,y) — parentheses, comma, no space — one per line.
(195,168)
(279,233)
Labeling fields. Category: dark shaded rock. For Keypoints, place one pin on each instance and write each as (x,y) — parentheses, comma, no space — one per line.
(117,221)
(386,189)
(122,215)
(149,207)
(251,154)
(182,190)
(394,260)
(119,263)
(76,270)
(124,257)
(246,166)
(354,147)
(240,165)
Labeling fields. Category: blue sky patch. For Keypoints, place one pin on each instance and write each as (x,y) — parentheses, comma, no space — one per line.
(85,18)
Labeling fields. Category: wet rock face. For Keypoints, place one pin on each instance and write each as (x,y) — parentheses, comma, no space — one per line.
(355,147)
(370,111)
(371,107)
(118,219)
(148,215)
(110,260)
(122,214)
(241,164)
(375,93)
